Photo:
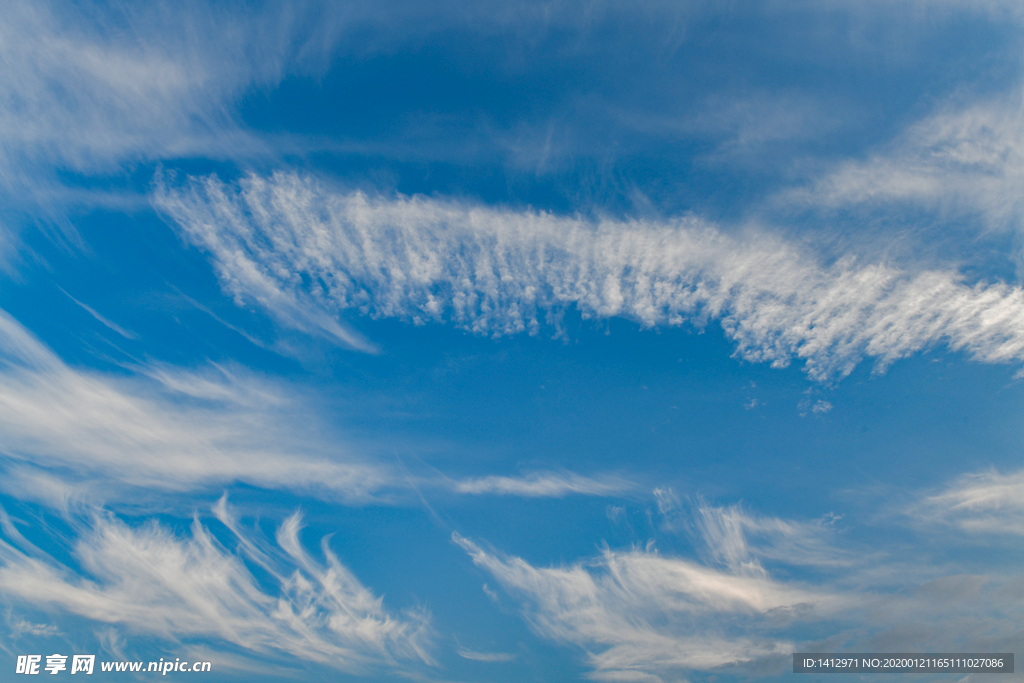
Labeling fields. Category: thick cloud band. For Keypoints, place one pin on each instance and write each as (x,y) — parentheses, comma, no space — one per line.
(305,252)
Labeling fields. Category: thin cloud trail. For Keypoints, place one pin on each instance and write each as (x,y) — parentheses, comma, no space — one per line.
(305,252)
(963,159)
(68,434)
(983,504)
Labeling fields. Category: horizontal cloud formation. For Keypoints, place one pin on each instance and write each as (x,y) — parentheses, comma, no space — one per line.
(643,616)
(90,87)
(965,159)
(303,251)
(67,433)
(990,502)
(153,582)
(541,484)
(181,431)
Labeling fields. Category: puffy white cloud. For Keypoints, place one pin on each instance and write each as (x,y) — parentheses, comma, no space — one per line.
(151,581)
(304,252)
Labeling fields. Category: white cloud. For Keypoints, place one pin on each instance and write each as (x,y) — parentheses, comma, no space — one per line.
(304,251)
(963,158)
(22,627)
(738,540)
(106,322)
(989,502)
(69,434)
(176,430)
(541,484)
(485,656)
(88,87)
(92,86)
(151,581)
(821,406)
(641,616)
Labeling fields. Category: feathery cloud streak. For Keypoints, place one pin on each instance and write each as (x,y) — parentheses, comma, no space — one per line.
(90,87)
(734,538)
(182,430)
(990,502)
(66,432)
(303,252)
(154,582)
(962,158)
(641,615)
(541,485)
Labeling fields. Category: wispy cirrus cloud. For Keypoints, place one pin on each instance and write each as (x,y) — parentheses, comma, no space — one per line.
(966,158)
(290,243)
(173,430)
(989,502)
(541,485)
(68,433)
(640,615)
(88,87)
(737,539)
(151,581)
(94,86)
(485,656)
(643,616)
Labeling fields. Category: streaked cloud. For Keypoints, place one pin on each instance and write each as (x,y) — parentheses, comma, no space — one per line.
(541,484)
(152,581)
(988,502)
(641,616)
(106,322)
(70,434)
(739,540)
(93,96)
(966,158)
(638,614)
(174,430)
(306,252)
(485,656)
(90,87)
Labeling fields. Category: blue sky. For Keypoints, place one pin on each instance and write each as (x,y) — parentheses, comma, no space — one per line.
(523,341)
